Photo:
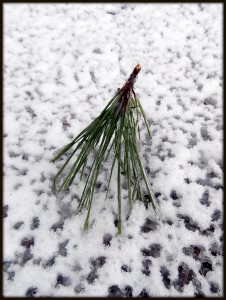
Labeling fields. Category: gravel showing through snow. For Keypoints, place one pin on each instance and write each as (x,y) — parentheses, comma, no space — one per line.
(62,64)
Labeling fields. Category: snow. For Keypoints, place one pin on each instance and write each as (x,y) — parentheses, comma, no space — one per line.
(62,64)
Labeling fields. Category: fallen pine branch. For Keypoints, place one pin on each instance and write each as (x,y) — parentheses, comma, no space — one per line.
(115,130)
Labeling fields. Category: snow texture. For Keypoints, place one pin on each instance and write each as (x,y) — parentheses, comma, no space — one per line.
(62,64)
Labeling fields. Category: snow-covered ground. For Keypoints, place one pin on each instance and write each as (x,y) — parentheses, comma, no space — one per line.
(62,64)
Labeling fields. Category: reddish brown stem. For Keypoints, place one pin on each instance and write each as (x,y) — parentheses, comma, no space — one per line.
(125,91)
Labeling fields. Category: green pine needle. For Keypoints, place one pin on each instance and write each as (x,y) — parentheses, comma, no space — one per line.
(115,129)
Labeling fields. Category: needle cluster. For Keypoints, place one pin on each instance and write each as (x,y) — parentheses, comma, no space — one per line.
(115,130)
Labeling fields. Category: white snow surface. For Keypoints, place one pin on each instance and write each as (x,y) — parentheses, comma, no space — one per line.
(62,64)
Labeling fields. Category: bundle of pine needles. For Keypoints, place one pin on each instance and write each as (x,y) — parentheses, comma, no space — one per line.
(117,129)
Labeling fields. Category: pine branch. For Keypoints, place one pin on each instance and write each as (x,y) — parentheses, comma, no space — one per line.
(115,128)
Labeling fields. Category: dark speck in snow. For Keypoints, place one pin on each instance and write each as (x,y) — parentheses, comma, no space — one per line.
(187,180)
(128,291)
(218,187)
(28,242)
(5,211)
(17,225)
(196,251)
(92,276)
(98,262)
(31,292)
(114,291)
(214,287)
(58,225)
(111,13)
(6,265)
(208,231)
(165,276)
(116,222)
(38,158)
(210,101)
(97,50)
(177,203)
(205,198)
(144,294)
(11,275)
(37,261)
(205,134)
(215,249)
(216,215)
(107,239)
(30,111)
(77,267)
(23,172)
(27,256)
(174,195)
(125,268)
(13,154)
(38,192)
(62,251)
(49,263)
(146,267)
(206,266)
(98,185)
(199,294)
(157,195)
(153,250)
(63,280)
(185,275)
(211,175)
(35,223)
(79,288)
(189,223)
(169,222)
(17,186)
(149,225)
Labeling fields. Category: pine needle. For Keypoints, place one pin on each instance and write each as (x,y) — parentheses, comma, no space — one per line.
(115,129)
